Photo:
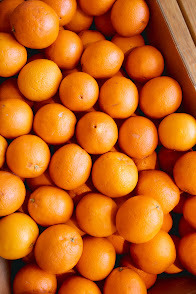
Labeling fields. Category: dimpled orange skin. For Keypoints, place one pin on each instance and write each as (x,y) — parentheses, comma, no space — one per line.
(160,186)
(156,255)
(167,222)
(95,7)
(189,209)
(78,285)
(18,233)
(39,79)
(6,8)
(104,25)
(42,180)
(138,137)
(3,148)
(88,37)
(114,174)
(80,21)
(34,24)
(176,267)
(185,228)
(70,166)
(13,55)
(102,59)
(149,162)
(129,18)
(167,159)
(187,252)
(28,156)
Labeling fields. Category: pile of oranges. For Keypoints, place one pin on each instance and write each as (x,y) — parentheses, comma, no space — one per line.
(92,151)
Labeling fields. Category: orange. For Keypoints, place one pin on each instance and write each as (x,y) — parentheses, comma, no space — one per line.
(185,228)
(120,200)
(37,105)
(187,252)
(36,56)
(12,192)
(118,97)
(34,24)
(37,73)
(66,50)
(129,18)
(149,162)
(95,7)
(70,166)
(160,186)
(104,25)
(62,277)
(160,96)
(66,72)
(167,222)
(148,279)
(96,132)
(184,172)
(114,174)
(16,118)
(102,59)
(138,137)
(101,211)
(54,123)
(124,280)
(167,159)
(189,209)
(179,207)
(28,156)
(144,63)
(139,219)
(177,131)
(88,37)
(29,258)
(97,260)
(58,249)
(50,206)
(156,255)
(78,285)
(79,91)
(42,180)
(24,207)
(6,8)
(72,222)
(18,233)
(13,55)
(121,245)
(31,279)
(78,193)
(3,148)
(80,21)
(176,267)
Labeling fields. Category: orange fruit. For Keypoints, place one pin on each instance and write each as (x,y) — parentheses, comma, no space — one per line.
(36,73)
(31,279)
(138,137)
(189,209)
(28,156)
(18,233)
(24,207)
(36,56)
(29,258)
(78,285)
(104,25)
(184,172)
(167,159)
(144,63)
(80,21)
(149,162)
(34,24)
(120,200)
(114,174)
(102,59)
(3,148)
(79,91)
(176,267)
(13,55)
(66,72)
(121,245)
(118,97)
(42,180)
(156,255)
(88,37)
(160,186)
(185,228)
(187,252)
(78,193)
(160,96)
(179,207)
(62,277)
(129,18)
(70,166)
(177,131)
(97,260)
(66,50)
(56,118)
(6,8)
(49,206)
(124,280)
(167,222)
(37,105)
(95,7)
(72,222)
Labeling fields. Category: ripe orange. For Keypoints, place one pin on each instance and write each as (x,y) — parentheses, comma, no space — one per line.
(185,228)
(88,37)
(42,180)
(167,222)
(104,25)
(121,245)
(189,209)
(146,163)
(187,252)
(6,8)
(167,159)
(3,148)
(37,105)
(78,285)
(179,207)
(176,267)
(80,21)
(72,222)
(66,72)
(78,193)
(95,7)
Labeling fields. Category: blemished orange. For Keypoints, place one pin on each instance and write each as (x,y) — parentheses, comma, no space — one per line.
(102,59)
(124,280)
(78,193)
(42,180)
(49,206)
(6,8)
(70,166)
(104,25)
(187,252)
(96,132)
(88,37)
(160,186)
(139,219)
(97,260)
(129,18)
(54,123)
(31,279)
(114,174)
(160,97)
(176,267)
(118,97)
(167,222)
(72,222)
(12,191)
(101,211)
(121,245)
(156,255)
(167,159)
(95,7)
(149,279)
(3,148)
(78,285)
(184,172)
(177,131)
(28,156)
(144,63)
(189,210)
(149,162)
(13,55)
(184,228)
(16,118)
(34,24)
(138,137)
(37,73)
(18,233)
(66,50)
(80,21)
(79,91)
